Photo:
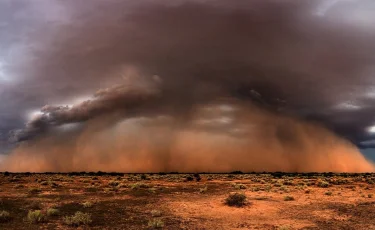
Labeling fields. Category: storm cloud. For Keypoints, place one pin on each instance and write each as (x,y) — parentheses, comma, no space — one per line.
(170,61)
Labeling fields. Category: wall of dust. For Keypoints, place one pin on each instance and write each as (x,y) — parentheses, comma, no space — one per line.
(255,140)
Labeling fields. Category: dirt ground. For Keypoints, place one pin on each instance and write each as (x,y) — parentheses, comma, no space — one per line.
(188,201)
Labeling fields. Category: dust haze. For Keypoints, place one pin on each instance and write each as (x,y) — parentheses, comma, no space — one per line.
(215,138)
(200,86)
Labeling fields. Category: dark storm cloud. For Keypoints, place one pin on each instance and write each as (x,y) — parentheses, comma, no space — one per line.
(294,53)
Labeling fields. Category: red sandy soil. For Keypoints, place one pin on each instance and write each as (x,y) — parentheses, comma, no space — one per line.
(134,201)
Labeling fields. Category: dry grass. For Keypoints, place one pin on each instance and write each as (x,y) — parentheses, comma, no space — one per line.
(187,201)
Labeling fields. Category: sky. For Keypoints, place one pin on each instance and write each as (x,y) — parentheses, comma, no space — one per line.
(65,64)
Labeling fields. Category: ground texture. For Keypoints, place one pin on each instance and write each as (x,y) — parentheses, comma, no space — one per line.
(187,201)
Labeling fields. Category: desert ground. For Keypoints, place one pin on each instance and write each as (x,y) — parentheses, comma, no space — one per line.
(187,201)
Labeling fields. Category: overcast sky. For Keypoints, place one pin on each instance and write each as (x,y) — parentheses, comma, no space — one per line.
(316,58)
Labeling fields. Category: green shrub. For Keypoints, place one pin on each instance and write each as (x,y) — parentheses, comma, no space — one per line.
(236,199)
(79,218)
(156,224)
(4,216)
(52,212)
(35,216)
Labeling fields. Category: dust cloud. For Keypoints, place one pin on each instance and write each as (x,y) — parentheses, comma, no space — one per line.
(216,138)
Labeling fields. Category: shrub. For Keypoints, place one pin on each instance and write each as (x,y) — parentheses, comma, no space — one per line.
(328,193)
(113,183)
(35,205)
(369,195)
(19,186)
(79,218)
(87,204)
(189,178)
(4,216)
(152,190)
(122,185)
(283,188)
(236,199)
(34,190)
(53,184)
(139,185)
(203,190)
(288,198)
(288,182)
(143,177)
(239,186)
(156,223)
(323,184)
(268,188)
(52,212)
(255,189)
(35,216)
(156,213)
(91,188)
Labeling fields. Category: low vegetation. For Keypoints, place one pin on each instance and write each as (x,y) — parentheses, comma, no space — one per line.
(34,191)
(4,216)
(236,199)
(52,212)
(328,193)
(79,218)
(87,204)
(156,224)
(192,201)
(288,198)
(36,216)
(156,213)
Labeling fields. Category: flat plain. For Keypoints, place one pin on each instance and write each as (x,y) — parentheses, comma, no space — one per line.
(281,201)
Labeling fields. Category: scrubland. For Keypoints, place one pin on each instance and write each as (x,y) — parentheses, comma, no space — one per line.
(187,201)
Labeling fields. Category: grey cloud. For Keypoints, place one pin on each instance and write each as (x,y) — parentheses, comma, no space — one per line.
(202,51)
